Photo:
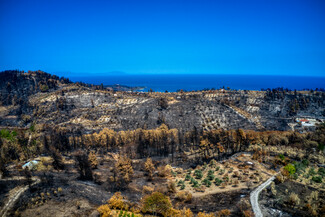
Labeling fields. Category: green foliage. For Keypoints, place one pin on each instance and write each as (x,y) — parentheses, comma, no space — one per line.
(181,184)
(300,166)
(206,182)
(312,171)
(32,128)
(217,168)
(187,177)
(198,174)
(290,168)
(210,175)
(321,171)
(8,135)
(317,179)
(281,156)
(305,162)
(194,183)
(218,181)
(321,146)
(173,173)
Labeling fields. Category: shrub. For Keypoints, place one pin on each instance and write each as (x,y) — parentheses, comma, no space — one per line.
(294,199)
(164,171)
(147,189)
(171,187)
(317,179)
(290,168)
(149,167)
(184,196)
(104,210)
(217,168)
(186,213)
(213,162)
(206,182)
(321,171)
(93,160)
(210,177)
(187,177)
(117,202)
(218,181)
(305,162)
(281,156)
(311,171)
(223,213)
(198,174)
(156,203)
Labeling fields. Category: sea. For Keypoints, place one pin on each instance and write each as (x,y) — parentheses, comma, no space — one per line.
(176,82)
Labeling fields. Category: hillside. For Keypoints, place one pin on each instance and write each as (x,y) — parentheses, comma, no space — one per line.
(42,98)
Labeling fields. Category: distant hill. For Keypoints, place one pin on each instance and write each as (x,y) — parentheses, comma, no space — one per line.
(41,98)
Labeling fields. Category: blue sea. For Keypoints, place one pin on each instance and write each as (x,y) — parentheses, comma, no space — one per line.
(173,83)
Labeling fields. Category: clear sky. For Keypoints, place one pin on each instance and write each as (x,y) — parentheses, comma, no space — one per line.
(164,36)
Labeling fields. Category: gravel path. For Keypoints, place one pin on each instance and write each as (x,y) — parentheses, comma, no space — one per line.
(15,196)
(254,197)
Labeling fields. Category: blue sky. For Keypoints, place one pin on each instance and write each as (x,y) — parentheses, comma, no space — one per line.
(164,37)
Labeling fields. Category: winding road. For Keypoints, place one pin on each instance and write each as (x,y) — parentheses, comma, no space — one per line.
(15,196)
(254,197)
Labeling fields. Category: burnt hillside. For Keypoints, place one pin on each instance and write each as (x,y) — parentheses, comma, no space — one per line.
(43,98)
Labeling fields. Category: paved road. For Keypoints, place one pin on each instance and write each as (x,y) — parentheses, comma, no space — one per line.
(254,197)
(15,196)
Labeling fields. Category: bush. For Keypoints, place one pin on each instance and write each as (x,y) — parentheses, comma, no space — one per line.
(194,183)
(147,189)
(294,199)
(206,182)
(210,177)
(218,181)
(164,171)
(223,213)
(171,187)
(149,167)
(93,160)
(156,203)
(187,177)
(184,196)
(198,174)
(305,162)
(311,172)
(321,171)
(104,210)
(317,179)
(281,156)
(117,202)
(290,168)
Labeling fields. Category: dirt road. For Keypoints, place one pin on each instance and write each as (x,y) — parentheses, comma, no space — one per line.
(254,197)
